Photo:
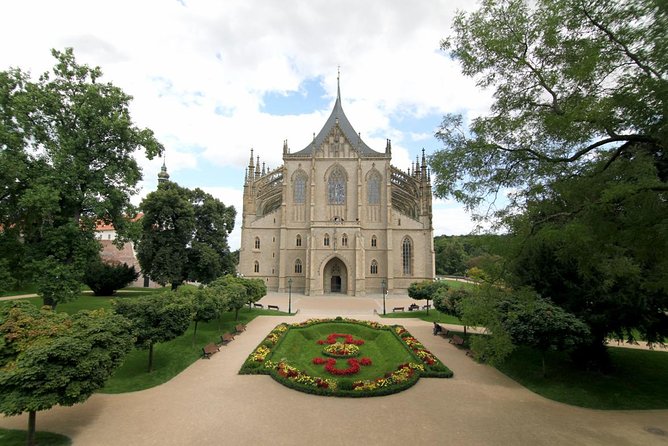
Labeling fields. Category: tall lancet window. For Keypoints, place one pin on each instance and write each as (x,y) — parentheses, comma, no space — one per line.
(300,189)
(336,187)
(373,189)
(407,256)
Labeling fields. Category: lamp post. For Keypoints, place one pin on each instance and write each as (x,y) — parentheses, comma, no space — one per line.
(290,295)
(382,284)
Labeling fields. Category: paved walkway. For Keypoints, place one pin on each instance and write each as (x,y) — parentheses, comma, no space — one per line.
(210,404)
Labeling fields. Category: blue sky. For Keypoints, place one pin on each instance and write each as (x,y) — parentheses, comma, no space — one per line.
(214,79)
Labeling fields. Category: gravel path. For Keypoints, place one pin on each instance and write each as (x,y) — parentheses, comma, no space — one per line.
(210,404)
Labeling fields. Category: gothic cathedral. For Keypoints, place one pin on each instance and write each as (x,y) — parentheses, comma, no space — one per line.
(337,217)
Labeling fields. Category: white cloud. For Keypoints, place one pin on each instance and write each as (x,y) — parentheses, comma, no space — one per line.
(182,61)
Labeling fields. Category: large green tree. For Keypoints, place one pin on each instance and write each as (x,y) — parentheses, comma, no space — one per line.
(577,138)
(67,161)
(574,81)
(49,358)
(155,319)
(184,236)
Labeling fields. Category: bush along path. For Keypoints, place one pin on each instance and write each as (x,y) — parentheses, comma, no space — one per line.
(343,357)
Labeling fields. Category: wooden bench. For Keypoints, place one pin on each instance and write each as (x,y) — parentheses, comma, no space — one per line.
(412,307)
(272,307)
(426,307)
(209,349)
(226,339)
(398,309)
(258,305)
(239,328)
(456,340)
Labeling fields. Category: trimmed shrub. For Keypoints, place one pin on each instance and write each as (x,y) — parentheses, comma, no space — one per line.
(104,278)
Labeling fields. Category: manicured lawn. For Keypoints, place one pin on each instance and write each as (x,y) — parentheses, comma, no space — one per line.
(434,316)
(171,358)
(638,381)
(300,346)
(26,289)
(16,437)
(87,301)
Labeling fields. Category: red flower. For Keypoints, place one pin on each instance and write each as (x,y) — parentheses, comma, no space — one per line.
(365,361)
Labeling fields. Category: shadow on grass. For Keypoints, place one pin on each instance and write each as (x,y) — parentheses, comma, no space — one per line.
(17,437)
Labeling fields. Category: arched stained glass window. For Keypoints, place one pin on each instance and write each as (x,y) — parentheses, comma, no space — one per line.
(374,241)
(407,256)
(344,240)
(326,240)
(257,242)
(298,241)
(336,187)
(298,266)
(256,267)
(374,267)
(373,189)
(300,189)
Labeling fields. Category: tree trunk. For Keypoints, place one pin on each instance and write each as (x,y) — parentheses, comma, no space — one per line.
(427,307)
(175,285)
(195,333)
(542,357)
(464,330)
(32,415)
(150,357)
(236,314)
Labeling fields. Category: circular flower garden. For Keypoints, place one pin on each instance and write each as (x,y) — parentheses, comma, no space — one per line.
(343,357)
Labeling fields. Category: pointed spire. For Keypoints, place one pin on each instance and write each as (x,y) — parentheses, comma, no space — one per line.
(416,171)
(388,147)
(263,171)
(257,167)
(285,146)
(338,83)
(163,175)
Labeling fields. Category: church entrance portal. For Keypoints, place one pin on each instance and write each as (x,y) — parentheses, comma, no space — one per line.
(335,277)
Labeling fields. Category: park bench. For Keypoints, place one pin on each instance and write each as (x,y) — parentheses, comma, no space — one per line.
(398,309)
(412,307)
(258,305)
(272,307)
(426,307)
(457,340)
(226,339)
(239,328)
(209,350)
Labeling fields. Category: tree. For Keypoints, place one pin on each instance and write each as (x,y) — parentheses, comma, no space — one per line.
(540,324)
(184,236)
(206,305)
(449,301)
(68,143)
(427,289)
(49,358)
(575,82)
(449,256)
(155,319)
(578,133)
(238,291)
(104,278)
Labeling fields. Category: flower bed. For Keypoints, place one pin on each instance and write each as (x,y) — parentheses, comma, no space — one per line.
(305,375)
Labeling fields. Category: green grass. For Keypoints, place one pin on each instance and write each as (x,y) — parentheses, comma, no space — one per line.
(434,316)
(638,379)
(457,284)
(25,289)
(300,347)
(16,437)
(171,358)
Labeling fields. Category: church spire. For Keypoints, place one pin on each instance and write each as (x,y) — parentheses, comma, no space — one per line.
(163,175)
(338,83)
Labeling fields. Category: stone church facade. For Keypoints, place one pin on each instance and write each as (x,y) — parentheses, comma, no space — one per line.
(337,217)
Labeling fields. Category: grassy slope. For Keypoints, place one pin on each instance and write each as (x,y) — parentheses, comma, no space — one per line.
(638,379)
(171,358)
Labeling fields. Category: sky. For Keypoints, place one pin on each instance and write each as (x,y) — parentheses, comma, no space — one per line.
(215,78)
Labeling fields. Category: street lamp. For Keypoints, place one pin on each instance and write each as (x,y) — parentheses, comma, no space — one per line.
(290,295)
(382,284)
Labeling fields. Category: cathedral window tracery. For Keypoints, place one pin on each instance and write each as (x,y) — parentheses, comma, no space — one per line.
(374,267)
(336,187)
(407,256)
(257,242)
(298,266)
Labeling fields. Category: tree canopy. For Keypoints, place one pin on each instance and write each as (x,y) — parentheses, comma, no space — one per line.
(184,236)
(155,319)
(49,358)
(574,81)
(67,162)
(576,139)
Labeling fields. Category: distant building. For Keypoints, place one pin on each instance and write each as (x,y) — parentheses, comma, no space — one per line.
(337,217)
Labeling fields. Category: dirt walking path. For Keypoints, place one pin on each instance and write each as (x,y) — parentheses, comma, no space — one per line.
(210,404)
